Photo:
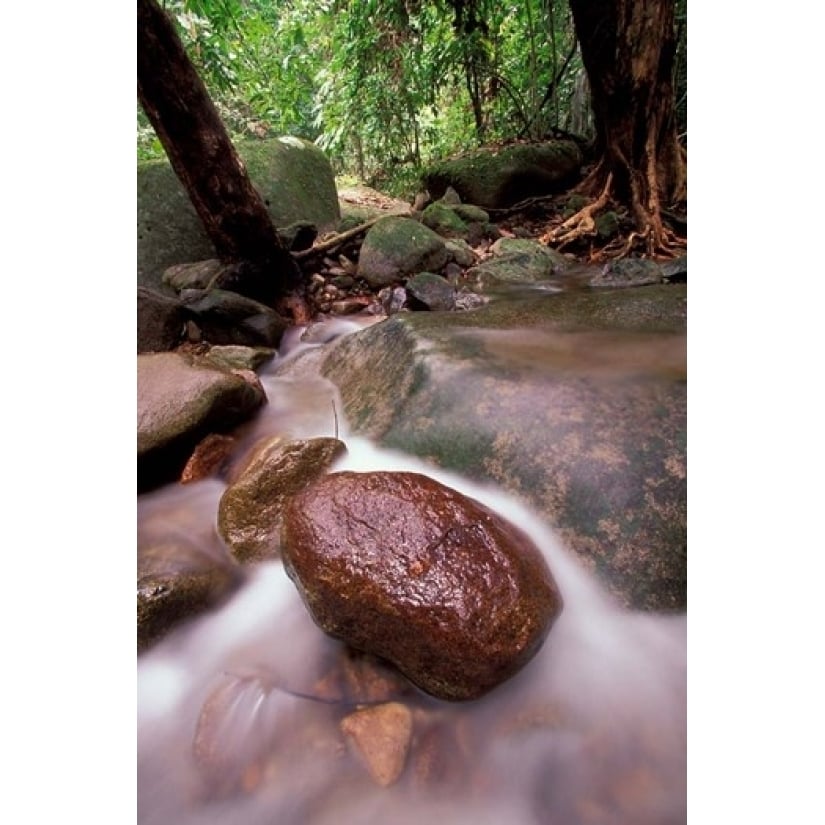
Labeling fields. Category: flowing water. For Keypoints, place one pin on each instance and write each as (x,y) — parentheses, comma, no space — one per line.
(593,730)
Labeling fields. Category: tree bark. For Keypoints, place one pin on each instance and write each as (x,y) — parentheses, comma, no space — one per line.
(628,48)
(179,107)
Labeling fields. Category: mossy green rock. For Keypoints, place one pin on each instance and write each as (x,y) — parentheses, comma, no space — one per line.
(250,511)
(444,220)
(293,176)
(517,260)
(499,177)
(575,401)
(397,247)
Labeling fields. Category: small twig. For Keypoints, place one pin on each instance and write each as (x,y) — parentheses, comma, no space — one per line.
(335,416)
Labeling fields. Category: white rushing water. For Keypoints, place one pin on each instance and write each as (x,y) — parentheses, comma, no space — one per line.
(593,730)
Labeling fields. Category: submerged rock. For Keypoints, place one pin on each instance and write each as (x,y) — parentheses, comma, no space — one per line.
(380,736)
(403,567)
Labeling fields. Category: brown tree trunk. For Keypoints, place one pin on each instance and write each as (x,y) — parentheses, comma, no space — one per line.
(179,108)
(628,47)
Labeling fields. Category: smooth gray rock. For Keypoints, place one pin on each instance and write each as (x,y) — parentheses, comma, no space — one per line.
(575,401)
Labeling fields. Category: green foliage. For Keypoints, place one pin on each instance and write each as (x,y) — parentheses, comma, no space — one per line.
(385,86)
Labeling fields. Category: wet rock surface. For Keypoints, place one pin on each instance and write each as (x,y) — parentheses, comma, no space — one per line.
(250,511)
(180,402)
(402,567)
(182,571)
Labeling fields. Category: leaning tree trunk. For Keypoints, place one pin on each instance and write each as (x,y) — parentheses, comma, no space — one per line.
(179,108)
(628,47)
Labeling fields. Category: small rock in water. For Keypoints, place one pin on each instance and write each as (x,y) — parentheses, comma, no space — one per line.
(380,736)
(432,291)
(405,568)
(628,272)
(209,458)
(393,299)
(250,510)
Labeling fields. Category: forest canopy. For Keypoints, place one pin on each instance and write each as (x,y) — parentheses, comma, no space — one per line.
(386,86)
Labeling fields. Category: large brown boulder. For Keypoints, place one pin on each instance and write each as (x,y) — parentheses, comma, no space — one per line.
(402,567)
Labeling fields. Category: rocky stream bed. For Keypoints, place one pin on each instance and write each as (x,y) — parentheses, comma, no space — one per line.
(424,553)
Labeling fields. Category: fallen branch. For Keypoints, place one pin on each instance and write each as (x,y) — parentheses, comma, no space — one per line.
(337,240)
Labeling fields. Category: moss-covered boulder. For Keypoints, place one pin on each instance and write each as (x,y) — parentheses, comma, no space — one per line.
(499,177)
(575,401)
(444,220)
(397,247)
(293,176)
(517,260)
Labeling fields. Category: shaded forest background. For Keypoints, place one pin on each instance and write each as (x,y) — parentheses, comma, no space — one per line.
(386,86)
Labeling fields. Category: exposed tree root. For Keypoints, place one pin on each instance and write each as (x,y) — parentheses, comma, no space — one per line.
(581,224)
(650,237)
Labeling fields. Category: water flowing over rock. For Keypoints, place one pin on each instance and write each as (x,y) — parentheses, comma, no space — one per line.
(181,401)
(381,735)
(403,567)
(250,511)
(182,571)
(575,401)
